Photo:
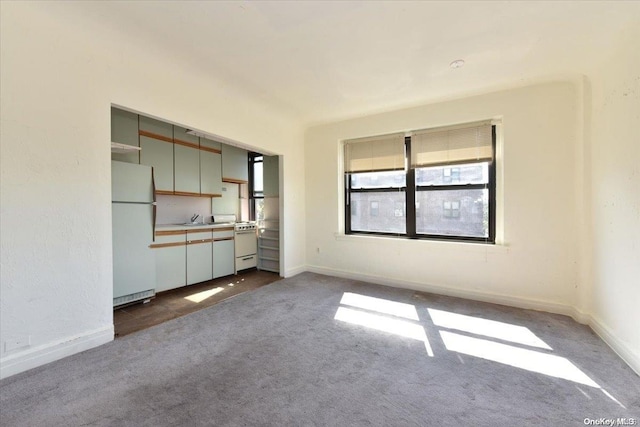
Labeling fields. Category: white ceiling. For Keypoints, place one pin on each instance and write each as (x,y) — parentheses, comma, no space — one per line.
(330,60)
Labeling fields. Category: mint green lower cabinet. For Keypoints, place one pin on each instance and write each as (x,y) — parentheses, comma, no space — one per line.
(223,256)
(199,257)
(159,155)
(171,261)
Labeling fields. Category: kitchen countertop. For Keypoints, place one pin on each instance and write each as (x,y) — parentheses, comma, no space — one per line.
(179,227)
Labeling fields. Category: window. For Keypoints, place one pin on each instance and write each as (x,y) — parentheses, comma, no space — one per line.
(451,209)
(375,179)
(399,209)
(451,175)
(256,187)
(380,192)
(375,207)
(447,174)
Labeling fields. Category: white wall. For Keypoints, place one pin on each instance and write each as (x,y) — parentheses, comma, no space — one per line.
(60,74)
(180,209)
(615,199)
(229,203)
(536,263)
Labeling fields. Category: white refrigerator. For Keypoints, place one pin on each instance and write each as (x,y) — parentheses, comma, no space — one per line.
(133,217)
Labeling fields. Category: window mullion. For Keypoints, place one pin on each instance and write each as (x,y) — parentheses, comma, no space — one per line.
(410,194)
(347,203)
(492,189)
(252,208)
(377,190)
(452,187)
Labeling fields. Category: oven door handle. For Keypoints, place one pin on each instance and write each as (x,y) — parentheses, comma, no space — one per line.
(246,232)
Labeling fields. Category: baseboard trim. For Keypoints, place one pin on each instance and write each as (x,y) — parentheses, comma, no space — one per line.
(50,352)
(294,271)
(510,301)
(622,349)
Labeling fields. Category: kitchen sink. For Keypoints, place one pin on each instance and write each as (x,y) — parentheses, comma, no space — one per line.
(199,224)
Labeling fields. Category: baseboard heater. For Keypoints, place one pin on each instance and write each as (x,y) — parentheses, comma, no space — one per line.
(126,299)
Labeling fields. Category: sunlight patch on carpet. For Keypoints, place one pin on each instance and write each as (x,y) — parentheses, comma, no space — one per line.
(380,305)
(378,322)
(201,296)
(534,361)
(491,328)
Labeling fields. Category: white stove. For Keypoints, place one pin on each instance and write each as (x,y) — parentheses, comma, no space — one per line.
(246,243)
(245,226)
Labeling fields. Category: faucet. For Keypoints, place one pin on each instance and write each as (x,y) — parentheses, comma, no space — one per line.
(194,218)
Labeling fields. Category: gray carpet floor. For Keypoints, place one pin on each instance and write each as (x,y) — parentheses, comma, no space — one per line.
(278,356)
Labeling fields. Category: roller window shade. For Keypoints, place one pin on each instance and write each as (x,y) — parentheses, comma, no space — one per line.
(375,154)
(452,145)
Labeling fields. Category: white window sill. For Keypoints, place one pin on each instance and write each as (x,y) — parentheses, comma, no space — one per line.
(436,244)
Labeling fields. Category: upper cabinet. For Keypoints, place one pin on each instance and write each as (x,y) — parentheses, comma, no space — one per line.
(156,129)
(270,174)
(210,168)
(156,143)
(124,130)
(235,164)
(183,164)
(187,170)
(158,154)
(181,136)
(186,152)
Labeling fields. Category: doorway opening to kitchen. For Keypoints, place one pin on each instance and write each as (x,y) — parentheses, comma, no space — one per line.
(197,239)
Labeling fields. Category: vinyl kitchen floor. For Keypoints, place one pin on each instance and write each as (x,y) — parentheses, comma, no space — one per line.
(178,302)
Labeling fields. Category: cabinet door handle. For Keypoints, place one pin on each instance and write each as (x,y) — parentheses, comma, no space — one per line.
(247,259)
(194,242)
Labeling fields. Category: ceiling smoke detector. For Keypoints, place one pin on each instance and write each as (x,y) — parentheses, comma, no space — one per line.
(458,63)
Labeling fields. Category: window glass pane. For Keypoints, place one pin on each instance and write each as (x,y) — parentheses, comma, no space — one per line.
(258,186)
(374,208)
(259,209)
(395,179)
(453,212)
(399,209)
(473,173)
(377,212)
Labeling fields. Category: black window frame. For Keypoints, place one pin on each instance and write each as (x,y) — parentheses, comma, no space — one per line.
(252,193)
(410,188)
(350,190)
